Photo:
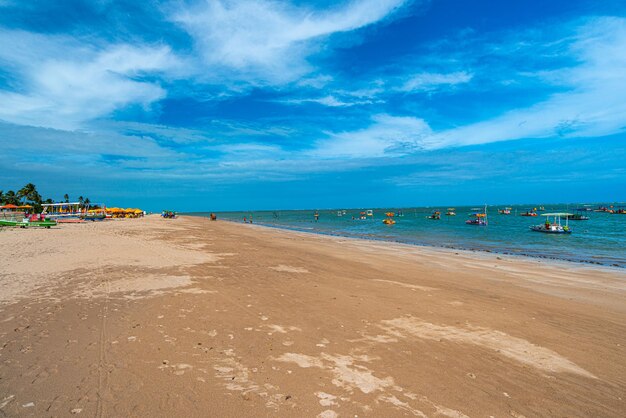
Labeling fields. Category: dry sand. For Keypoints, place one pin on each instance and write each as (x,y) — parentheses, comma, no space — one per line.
(188,317)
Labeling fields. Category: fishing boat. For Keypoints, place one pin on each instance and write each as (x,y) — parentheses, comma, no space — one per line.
(555,226)
(478,218)
(604,209)
(578,216)
(68,212)
(529,212)
(362,216)
(96,213)
(27,223)
(389,218)
(621,210)
(505,211)
(436,215)
(370,212)
(450,212)
(339,213)
(17,216)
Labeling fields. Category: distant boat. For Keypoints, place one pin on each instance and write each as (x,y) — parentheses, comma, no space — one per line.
(505,211)
(604,209)
(339,213)
(578,216)
(478,218)
(389,218)
(450,212)
(555,226)
(436,215)
(529,212)
(619,211)
(370,212)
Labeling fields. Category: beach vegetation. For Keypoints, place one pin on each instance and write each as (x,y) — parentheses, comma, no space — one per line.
(28,195)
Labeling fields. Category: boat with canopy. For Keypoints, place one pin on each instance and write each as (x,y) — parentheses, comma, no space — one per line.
(578,216)
(20,216)
(555,226)
(478,218)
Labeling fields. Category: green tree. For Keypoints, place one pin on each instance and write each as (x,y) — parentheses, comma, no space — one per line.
(81,200)
(87,201)
(1,197)
(10,198)
(27,192)
(66,197)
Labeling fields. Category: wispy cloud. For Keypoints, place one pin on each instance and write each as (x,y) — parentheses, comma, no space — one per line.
(329,100)
(62,82)
(592,105)
(266,42)
(386,136)
(428,82)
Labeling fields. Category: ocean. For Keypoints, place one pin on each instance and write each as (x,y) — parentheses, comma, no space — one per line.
(599,240)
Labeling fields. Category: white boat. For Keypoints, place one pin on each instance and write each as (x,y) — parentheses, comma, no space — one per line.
(64,212)
(555,226)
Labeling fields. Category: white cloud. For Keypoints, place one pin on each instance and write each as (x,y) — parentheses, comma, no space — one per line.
(427,82)
(63,82)
(592,106)
(388,136)
(329,100)
(268,42)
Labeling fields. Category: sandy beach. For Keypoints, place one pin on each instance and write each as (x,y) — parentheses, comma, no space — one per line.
(186,317)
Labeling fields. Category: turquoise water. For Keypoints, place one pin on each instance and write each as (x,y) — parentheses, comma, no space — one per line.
(600,240)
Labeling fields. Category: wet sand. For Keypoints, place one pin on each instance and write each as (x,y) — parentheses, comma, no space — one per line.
(187,317)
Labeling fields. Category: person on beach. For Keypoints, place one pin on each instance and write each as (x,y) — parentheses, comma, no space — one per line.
(245,220)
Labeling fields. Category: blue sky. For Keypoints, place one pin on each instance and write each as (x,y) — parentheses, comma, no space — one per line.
(257,104)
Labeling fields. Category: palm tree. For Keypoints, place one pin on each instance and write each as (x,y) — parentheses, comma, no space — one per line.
(26,192)
(1,197)
(87,201)
(66,197)
(10,198)
(81,200)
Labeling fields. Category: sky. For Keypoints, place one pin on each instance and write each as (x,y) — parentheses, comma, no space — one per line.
(210,105)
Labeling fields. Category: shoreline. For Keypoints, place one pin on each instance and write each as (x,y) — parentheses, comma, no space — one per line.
(175,317)
(589,263)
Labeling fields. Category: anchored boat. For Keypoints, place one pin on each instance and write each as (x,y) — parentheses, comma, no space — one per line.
(529,212)
(578,216)
(478,218)
(555,226)
(389,218)
(436,215)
